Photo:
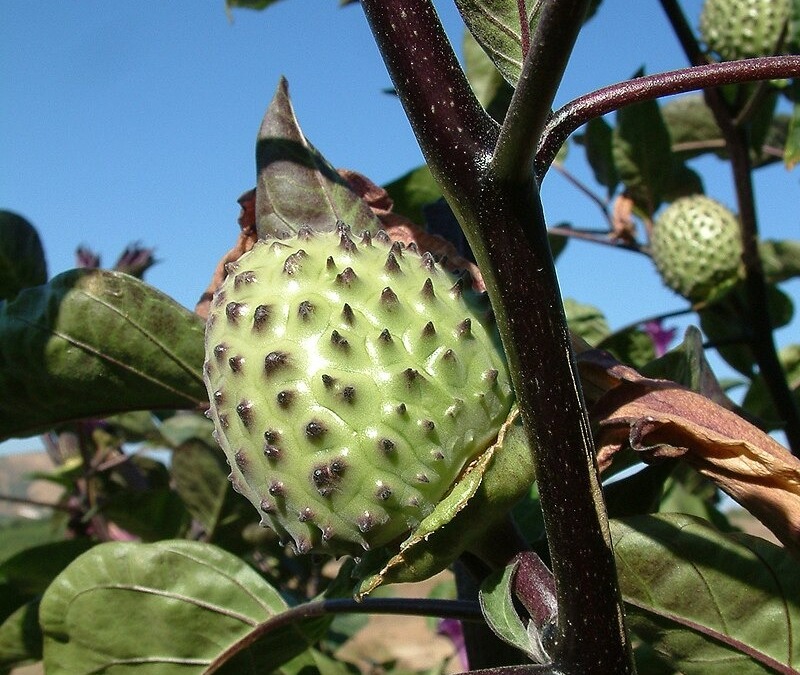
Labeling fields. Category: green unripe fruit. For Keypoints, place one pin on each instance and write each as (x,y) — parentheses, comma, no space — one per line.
(350,384)
(697,248)
(741,29)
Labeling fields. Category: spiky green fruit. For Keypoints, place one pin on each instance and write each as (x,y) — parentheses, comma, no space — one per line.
(697,248)
(350,384)
(741,29)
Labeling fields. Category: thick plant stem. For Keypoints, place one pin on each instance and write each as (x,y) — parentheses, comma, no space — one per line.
(496,200)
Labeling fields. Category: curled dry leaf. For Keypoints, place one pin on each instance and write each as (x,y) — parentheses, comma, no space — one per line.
(660,419)
(623,227)
(403,230)
(244,242)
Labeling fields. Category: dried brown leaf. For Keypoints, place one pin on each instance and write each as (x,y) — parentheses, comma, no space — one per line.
(661,419)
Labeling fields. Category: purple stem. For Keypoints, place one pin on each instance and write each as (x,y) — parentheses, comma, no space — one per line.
(584,108)
(495,198)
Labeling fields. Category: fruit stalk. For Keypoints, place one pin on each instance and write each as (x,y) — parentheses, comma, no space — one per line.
(498,206)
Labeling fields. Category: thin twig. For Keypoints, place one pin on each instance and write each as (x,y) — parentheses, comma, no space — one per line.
(601,203)
(35,502)
(596,237)
(452,609)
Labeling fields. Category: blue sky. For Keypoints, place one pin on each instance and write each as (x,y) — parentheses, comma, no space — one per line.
(136,121)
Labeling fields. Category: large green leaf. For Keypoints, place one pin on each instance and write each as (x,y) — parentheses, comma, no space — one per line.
(597,141)
(22,262)
(496,26)
(21,637)
(780,258)
(297,187)
(168,607)
(92,343)
(642,153)
(488,83)
(707,602)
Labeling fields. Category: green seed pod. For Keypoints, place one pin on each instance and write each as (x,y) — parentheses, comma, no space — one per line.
(697,248)
(741,29)
(350,385)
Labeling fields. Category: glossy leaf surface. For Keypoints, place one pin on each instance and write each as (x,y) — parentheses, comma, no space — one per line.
(169,607)
(92,343)
(708,602)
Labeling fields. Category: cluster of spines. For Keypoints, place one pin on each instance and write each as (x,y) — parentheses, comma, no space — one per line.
(326,477)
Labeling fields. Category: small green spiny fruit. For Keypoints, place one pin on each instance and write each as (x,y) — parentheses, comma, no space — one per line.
(350,384)
(741,29)
(697,248)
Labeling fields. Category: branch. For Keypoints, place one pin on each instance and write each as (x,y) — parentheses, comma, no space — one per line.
(579,111)
(542,70)
(454,132)
(453,609)
(498,206)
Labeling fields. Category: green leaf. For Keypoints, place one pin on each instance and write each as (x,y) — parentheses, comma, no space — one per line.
(709,603)
(681,181)
(21,637)
(480,499)
(597,141)
(637,493)
(412,191)
(22,262)
(201,480)
(687,365)
(187,426)
(758,400)
(642,154)
(151,515)
(19,534)
(726,324)
(791,151)
(488,83)
(780,258)
(93,343)
(249,4)
(632,346)
(168,607)
(692,127)
(297,187)
(690,493)
(586,321)
(497,605)
(32,570)
(496,26)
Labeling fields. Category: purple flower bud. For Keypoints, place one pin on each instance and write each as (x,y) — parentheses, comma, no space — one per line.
(452,629)
(135,260)
(87,258)
(661,337)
